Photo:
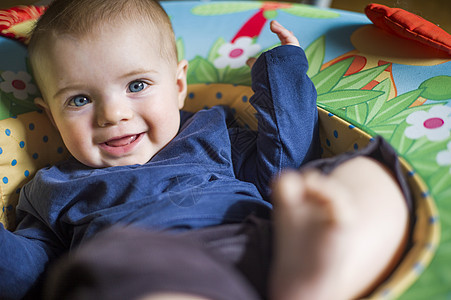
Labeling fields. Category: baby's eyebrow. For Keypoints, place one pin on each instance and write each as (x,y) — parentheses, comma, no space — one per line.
(137,72)
(67,89)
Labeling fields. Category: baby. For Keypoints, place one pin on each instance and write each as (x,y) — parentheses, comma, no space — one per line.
(148,182)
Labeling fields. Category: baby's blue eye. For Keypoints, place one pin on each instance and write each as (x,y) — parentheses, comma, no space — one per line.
(136,86)
(79,101)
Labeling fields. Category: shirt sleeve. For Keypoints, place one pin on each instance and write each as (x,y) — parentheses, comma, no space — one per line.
(285,101)
(25,254)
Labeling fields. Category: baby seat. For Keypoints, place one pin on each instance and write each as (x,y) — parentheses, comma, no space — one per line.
(367,83)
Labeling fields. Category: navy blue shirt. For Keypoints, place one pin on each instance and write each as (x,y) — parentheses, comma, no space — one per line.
(211,173)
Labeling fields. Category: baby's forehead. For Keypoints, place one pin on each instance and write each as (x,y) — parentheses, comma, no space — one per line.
(106,50)
(109,29)
(145,35)
(57,43)
(61,44)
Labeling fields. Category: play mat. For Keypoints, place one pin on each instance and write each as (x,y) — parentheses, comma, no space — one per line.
(370,81)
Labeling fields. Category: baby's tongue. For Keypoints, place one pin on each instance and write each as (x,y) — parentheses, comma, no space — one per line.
(122,141)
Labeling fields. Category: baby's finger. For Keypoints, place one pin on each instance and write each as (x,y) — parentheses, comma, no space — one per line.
(251,61)
(286,37)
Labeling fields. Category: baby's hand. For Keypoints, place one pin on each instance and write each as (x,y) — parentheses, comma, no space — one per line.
(285,36)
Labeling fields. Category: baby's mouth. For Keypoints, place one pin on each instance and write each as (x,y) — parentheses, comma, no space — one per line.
(122,141)
(122,145)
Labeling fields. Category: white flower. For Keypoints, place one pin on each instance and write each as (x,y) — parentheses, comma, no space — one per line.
(236,54)
(444,157)
(435,124)
(18,84)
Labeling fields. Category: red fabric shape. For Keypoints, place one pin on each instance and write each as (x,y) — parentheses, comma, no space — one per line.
(409,25)
(252,27)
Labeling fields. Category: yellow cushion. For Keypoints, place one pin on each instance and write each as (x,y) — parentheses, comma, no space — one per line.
(28,143)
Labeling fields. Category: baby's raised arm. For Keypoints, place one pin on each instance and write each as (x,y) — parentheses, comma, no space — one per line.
(285,99)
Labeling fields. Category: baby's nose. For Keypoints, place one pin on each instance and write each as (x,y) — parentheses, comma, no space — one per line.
(109,114)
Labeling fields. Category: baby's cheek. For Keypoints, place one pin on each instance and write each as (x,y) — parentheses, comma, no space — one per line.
(77,144)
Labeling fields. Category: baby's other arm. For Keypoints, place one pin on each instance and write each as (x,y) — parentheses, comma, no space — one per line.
(24,257)
(285,100)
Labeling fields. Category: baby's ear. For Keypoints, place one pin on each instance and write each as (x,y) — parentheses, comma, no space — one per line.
(182,69)
(39,102)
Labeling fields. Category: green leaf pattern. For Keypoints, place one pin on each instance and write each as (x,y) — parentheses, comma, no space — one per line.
(344,99)
(315,55)
(212,9)
(328,78)
(360,79)
(213,54)
(307,11)
(180,48)
(202,71)
(396,105)
(375,105)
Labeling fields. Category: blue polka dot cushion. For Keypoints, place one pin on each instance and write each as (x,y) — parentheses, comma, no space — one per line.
(27,142)
(369,82)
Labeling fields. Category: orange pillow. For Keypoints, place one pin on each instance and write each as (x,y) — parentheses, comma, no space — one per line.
(409,25)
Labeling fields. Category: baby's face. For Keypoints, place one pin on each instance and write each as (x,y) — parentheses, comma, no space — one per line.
(113,98)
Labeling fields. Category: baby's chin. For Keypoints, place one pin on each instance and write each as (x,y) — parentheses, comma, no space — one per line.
(116,162)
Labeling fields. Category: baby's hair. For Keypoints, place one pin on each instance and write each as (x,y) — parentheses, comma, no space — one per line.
(85,17)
